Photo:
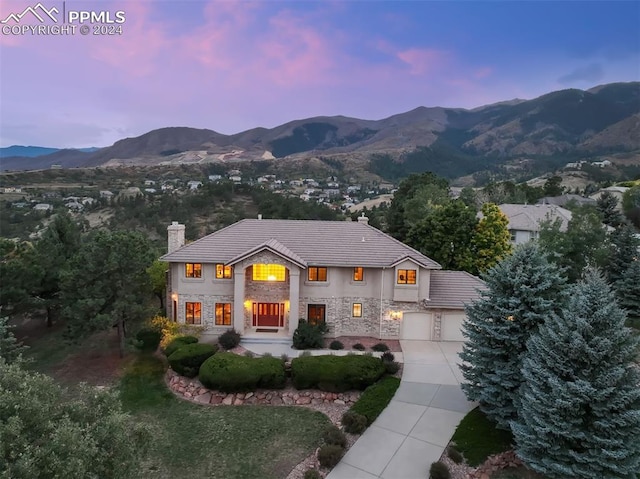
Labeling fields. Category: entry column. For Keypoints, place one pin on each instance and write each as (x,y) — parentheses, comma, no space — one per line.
(238,300)
(294,299)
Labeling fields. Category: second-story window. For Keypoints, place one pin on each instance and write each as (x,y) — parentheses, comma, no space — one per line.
(358,273)
(316,273)
(223,271)
(406,276)
(193,270)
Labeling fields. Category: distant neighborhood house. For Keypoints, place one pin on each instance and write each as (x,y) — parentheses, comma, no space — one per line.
(525,220)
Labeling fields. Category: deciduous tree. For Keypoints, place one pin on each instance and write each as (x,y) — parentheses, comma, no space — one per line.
(522,291)
(446,234)
(580,395)
(158,276)
(46,433)
(491,240)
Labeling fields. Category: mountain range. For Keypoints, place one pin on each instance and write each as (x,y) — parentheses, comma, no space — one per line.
(567,124)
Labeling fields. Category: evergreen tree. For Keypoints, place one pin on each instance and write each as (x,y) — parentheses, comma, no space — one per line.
(580,398)
(10,349)
(624,251)
(627,290)
(491,241)
(607,204)
(522,290)
(107,284)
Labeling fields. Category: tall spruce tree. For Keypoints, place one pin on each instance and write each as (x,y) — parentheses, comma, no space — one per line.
(627,290)
(580,398)
(624,251)
(523,290)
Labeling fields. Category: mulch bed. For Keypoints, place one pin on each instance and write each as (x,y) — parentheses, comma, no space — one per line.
(366,341)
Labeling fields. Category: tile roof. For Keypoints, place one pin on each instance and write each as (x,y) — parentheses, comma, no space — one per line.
(529,217)
(453,289)
(319,243)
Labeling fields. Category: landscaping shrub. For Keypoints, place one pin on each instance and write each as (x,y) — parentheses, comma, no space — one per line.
(333,435)
(359,347)
(229,339)
(309,336)
(230,373)
(335,373)
(249,354)
(380,347)
(149,338)
(388,357)
(312,474)
(187,360)
(375,398)
(354,423)
(439,470)
(336,345)
(455,455)
(391,367)
(329,455)
(177,343)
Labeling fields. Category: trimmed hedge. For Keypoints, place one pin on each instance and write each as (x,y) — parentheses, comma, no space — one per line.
(354,423)
(335,373)
(149,338)
(231,373)
(177,343)
(329,455)
(375,398)
(229,339)
(187,360)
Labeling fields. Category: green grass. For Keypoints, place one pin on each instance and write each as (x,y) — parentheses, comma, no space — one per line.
(477,438)
(230,442)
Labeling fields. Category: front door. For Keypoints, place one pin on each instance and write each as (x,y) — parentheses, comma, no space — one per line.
(268,315)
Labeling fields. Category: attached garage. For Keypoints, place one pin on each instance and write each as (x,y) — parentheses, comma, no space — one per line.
(416,325)
(451,326)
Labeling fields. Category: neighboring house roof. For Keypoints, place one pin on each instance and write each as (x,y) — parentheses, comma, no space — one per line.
(564,199)
(453,289)
(314,243)
(529,217)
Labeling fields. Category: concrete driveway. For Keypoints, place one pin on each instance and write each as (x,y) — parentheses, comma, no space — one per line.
(414,429)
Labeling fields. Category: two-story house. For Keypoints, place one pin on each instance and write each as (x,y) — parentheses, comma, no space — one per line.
(261,276)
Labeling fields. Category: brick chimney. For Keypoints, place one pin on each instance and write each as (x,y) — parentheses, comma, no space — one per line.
(175,232)
(363,219)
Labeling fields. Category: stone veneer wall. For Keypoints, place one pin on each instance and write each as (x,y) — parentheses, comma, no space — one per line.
(263,292)
(208,322)
(341,323)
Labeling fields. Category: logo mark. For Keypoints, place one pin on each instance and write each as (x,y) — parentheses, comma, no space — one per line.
(34,11)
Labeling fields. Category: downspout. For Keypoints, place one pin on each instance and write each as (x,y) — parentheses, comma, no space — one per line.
(381,293)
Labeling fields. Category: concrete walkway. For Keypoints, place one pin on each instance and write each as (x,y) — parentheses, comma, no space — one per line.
(414,429)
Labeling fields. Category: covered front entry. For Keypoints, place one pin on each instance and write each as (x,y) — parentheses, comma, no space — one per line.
(416,325)
(268,315)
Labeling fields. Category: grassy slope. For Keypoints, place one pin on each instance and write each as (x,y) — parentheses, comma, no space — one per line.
(231,442)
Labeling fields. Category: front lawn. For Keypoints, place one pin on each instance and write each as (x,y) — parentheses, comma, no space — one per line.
(231,442)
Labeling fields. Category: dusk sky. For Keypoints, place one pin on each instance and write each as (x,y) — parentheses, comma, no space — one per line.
(234,65)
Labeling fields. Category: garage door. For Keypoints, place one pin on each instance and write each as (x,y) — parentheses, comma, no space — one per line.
(416,326)
(451,327)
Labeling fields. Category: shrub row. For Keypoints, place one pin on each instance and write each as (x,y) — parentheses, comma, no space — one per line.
(229,373)
(187,359)
(336,373)
(177,343)
(375,398)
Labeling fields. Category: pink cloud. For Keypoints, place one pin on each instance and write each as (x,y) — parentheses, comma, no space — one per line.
(423,60)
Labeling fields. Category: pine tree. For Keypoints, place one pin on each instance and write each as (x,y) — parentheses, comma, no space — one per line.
(627,290)
(607,204)
(624,251)
(523,290)
(580,399)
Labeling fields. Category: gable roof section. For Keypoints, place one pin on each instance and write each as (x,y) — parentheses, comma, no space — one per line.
(454,289)
(276,248)
(314,243)
(529,217)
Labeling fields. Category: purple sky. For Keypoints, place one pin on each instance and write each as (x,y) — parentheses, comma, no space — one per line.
(234,65)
